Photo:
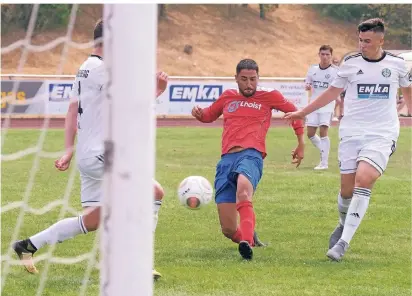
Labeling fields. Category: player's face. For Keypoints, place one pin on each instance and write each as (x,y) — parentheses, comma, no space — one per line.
(247,81)
(325,57)
(370,43)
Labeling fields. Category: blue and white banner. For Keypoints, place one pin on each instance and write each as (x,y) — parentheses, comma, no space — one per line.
(52,96)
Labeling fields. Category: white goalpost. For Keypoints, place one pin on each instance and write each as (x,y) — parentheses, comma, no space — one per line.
(130,40)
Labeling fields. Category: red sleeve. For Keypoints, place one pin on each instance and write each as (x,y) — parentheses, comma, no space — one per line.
(279,102)
(213,112)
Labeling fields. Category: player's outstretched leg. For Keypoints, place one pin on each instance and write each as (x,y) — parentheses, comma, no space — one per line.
(244,207)
(57,233)
(343,206)
(158,194)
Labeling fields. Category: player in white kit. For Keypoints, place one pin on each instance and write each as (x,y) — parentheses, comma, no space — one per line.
(318,79)
(369,129)
(84,117)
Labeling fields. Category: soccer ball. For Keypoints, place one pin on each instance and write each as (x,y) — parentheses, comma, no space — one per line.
(195,192)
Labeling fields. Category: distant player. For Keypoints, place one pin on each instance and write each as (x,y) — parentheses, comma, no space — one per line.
(318,79)
(86,108)
(368,130)
(247,114)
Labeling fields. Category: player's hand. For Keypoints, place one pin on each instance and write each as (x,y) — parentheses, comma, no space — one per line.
(298,154)
(308,86)
(291,116)
(162,79)
(197,112)
(63,162)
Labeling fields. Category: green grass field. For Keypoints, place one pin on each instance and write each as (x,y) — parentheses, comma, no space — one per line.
(296,212)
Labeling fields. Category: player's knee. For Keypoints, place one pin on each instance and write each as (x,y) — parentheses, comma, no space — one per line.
(366,175)
(243,195)
(91,219)
(158,191)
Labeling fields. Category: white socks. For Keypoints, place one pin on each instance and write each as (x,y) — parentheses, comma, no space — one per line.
(343,206)
(157,204)
(356,212)
(59,232)
(324,150)
(316,142)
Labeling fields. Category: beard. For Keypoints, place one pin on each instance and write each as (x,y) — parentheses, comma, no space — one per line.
(248,94)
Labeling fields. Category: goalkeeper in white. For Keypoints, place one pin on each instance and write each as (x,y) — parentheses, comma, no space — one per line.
(85,107)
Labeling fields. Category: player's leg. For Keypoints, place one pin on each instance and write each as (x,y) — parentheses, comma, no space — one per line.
(225,198)
(312,124)
(372,161)
(248,172)
(349,148)
(344,199)
(91,174)
(324,122)
(158,198)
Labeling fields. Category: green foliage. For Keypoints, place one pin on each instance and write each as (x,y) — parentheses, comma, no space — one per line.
(49,16)
(397,17)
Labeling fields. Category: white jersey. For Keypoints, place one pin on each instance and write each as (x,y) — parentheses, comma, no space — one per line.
(88,89)
(320,79)
(370,99)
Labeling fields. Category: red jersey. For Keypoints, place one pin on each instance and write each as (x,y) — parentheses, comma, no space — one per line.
(246,120)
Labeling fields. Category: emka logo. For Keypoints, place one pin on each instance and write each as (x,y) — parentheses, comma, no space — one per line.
(59,92)
(320,84)
(373,91)
(233,106)
(200,93)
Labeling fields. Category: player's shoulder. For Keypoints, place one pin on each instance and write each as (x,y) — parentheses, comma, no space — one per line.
(395,60)
(229,92)
(353,57)
(92,62)
(393,56)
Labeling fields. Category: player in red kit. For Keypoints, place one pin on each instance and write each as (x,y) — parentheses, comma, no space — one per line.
(247,114)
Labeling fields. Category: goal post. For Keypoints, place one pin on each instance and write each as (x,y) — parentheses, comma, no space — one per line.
(130,46)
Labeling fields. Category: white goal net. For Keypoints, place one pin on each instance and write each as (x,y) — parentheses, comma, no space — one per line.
(35,195)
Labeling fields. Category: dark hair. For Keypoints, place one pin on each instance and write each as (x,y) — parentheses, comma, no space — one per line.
(376,25)
(247,64)
(326,47)
(98,32)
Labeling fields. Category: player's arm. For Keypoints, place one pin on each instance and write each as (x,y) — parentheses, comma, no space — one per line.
(326,97)
(407,96)
(70,126)
(161,83)
(405,83)
(209,114)
(308,80)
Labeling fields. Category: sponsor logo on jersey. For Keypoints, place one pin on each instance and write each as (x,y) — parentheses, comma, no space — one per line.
(59,92)
(327,76)
(386,73)
(373,91)
(410,77)
(359,72)
(83,73)
(233,106)
(198,93)
(320,84)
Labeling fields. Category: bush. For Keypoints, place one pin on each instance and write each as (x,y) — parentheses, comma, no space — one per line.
(49,16)
(396,16)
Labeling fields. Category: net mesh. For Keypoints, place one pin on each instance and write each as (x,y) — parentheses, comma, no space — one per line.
(14,212)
